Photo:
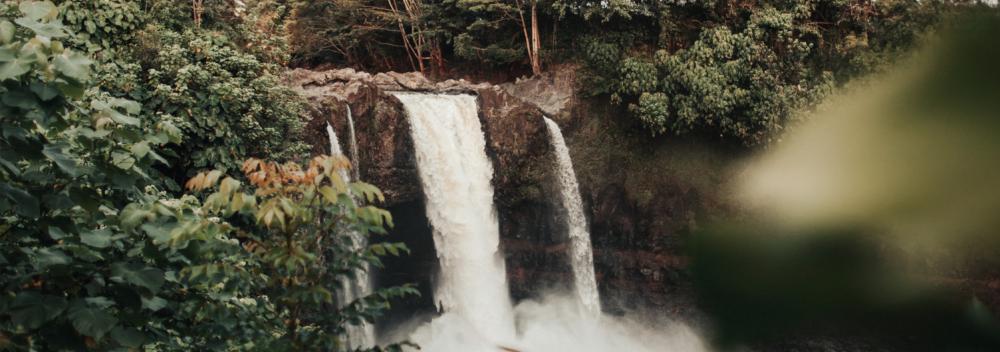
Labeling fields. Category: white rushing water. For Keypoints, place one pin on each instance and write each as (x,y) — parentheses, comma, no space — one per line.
(361,285)
(355,166)
(471,289)
(335,149)
(581,254)
(455,174)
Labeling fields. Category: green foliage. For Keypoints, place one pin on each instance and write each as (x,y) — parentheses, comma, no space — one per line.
(654,111)
(604,10)
(775,57)
(636,76)
(306,239)
(94,256)
(217,83)
(228,103)
(70,158)
(467,47)
(491,33)
(103,24)
(734,82)
(742,75)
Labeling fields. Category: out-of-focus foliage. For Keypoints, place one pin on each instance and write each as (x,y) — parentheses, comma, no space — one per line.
(876,217)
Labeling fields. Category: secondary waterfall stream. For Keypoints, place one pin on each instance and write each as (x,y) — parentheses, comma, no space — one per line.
(355,167)
(361,285)
(455,174)
(581,254)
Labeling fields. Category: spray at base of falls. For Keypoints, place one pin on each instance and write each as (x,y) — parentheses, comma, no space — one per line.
(361,286)
(556,323)
(472,287)
(581,254)
(455,174)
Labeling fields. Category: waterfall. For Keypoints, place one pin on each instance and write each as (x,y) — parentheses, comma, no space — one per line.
(355,165)
(581,255)
(360,286)
(335,149)
(471,287)
(455,174)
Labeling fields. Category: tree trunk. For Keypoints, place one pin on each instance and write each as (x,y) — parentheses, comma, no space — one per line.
(532,39)
(536,41)
(412,53)
(197,8)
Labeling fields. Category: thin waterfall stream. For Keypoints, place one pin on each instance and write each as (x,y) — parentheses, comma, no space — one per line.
(355,166)
(361,285)
(581,254)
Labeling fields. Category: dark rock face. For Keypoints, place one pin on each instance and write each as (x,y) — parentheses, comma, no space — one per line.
(516,142)
(643,197)
(518,145)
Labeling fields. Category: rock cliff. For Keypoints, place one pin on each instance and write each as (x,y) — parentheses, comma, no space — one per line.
(516,141)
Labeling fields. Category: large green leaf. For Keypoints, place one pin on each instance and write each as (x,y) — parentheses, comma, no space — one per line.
(21,98)
(96,238)
(39,10)
(138,274)
(123,161)
(27,205)
(154,303)
(13,69)
(64,162)
(73,65)
(31,310)
(44,29)
(47,257)
(44,91)
(92,322)
(6,32)
(140,149)
(128,337)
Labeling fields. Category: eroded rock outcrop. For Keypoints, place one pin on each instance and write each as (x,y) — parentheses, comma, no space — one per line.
(516,142)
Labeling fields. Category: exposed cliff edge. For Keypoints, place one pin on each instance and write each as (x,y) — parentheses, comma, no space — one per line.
(517,144)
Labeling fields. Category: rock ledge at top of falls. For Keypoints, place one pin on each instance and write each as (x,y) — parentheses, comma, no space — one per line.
(343,82)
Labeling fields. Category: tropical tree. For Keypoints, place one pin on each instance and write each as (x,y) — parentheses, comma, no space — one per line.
(94,254)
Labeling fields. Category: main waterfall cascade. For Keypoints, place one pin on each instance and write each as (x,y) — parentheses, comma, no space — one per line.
(361,285)
(455,174)
(471,290)
(581,254)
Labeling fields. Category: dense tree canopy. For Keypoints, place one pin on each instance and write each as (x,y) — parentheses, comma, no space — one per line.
(736,69)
